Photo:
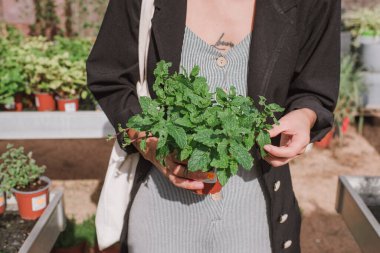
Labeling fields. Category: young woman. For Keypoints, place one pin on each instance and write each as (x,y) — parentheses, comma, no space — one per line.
(285,50)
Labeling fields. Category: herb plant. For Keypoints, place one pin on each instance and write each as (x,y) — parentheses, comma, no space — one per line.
(210,130)
(17,169)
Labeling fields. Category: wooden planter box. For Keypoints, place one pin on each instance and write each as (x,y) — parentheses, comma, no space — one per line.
(358,201)
(46,230)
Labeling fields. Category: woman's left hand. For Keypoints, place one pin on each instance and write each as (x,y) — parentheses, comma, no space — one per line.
(294,128)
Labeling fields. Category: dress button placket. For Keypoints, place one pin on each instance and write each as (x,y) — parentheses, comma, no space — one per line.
(283,218)
(287,244)
(277,185)
(221,61)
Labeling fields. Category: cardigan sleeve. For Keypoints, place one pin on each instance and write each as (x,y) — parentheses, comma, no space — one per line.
(112,66)
(315,84)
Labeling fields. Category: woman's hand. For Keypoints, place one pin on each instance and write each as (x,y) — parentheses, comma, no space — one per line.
(294,128)
(175,171)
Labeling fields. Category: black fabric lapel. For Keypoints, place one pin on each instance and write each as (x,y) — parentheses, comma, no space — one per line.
(270,28)
(168,27)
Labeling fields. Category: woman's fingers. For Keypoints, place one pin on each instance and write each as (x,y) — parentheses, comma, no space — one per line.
(180,170)
(186,183)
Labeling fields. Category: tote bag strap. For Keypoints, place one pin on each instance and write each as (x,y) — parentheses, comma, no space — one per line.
(145,27)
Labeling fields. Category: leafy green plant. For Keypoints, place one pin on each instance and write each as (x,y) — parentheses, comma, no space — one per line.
(87,231)
(350,92)
(18,170)
(75,233)
(12,77)
(363,21)
(209,130)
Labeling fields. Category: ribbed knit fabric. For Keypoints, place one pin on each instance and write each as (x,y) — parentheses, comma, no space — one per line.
(167,219)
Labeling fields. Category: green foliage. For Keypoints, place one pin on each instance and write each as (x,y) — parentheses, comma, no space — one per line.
(350,91)
(12,76)
(34,65)
(210,130)
(363,21)
(75,234)
(17,169)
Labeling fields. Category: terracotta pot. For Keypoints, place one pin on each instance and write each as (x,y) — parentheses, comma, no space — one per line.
(3,203)
(32,204)
(345,125)
(209,188)
(80,248)
(45,102)
(325,142)
(68,105)
(18,102)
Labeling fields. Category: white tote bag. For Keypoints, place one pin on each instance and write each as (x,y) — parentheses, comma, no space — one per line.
(115,194)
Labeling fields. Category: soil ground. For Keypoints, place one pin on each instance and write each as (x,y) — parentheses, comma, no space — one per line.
(79,167)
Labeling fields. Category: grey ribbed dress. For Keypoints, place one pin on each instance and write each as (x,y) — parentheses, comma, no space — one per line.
(167,219)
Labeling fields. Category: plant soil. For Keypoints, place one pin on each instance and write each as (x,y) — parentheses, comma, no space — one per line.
(34,186)
(13,232)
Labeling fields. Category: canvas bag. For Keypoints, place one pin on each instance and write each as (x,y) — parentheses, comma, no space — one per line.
(115,194)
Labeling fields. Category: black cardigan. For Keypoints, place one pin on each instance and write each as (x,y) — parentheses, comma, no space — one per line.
(293,61)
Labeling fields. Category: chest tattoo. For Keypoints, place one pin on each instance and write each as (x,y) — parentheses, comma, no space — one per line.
(221,44)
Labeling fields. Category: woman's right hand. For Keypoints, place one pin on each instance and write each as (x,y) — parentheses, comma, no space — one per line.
(176,172)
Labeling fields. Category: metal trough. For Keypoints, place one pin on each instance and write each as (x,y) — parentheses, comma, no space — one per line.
(358,201)
(46,230)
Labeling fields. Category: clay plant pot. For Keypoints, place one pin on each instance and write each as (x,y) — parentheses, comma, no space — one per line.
(18,102)
(325,142)
(45,102)
(211,184)
(68,105)
(31,204)
(345,125)
(3,203)
(79,248)
(112,249)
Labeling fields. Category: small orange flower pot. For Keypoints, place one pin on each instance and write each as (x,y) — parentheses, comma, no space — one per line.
(68,105)
(32,204)
(45,102)
(209,188)
(3,203)
(18,102)
(325,142)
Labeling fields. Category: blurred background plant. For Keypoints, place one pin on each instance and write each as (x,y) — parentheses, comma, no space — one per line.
(350,94)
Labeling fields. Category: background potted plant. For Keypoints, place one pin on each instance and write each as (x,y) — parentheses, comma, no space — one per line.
(72,78)
(12,77)
(41,70)
(345,39)
(350,94)
(3,202)
(364,24)
(69,241)
(21,175)
(349,100)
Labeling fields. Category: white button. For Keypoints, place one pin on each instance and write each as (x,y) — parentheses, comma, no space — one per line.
(283,218)
(221,61)
(287,244)
(276,185)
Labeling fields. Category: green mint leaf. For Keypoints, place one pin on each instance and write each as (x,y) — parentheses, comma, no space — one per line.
(199,160)
(204,137)
(178,134)
(263,138)
(241,154)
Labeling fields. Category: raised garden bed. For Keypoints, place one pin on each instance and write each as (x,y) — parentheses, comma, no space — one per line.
(358,201)
(17,235)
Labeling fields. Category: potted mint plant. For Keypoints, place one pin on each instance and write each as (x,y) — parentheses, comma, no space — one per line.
(20,175)
(210,132)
